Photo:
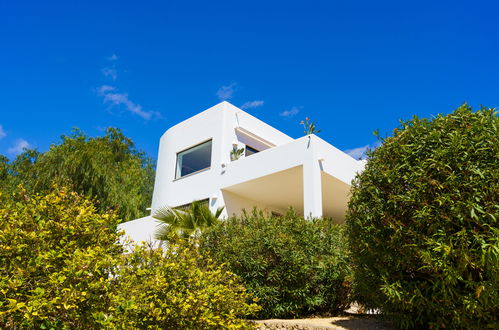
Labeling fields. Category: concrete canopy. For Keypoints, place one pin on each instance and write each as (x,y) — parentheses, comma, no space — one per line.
(284,189)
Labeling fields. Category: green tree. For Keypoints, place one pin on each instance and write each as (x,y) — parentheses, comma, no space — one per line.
(185,223)
(18,171)
(108,169)
(4,171)
(423,222)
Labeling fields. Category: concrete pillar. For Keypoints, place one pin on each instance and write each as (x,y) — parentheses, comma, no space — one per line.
(312,189)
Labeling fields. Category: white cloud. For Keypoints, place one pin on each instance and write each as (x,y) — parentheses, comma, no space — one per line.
(18,147)
(113,98)
(252,104)
(357,153)
(105,88)
(290,113)
(360,152)
(110,72)
(2,132)
(226,92)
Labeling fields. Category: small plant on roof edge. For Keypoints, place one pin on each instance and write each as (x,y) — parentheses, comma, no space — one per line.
(309,127)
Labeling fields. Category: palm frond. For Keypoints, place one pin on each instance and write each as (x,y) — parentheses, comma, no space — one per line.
(185,223)
(163,232)
(219,211)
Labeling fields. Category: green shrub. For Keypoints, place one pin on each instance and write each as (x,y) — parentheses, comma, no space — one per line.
(422,223)
(178,289)
(56,254)
(294,266)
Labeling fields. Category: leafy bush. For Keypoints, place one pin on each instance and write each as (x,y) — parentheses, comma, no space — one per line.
(294,266)
(178,289)
(422,222)
(56,257)
(61,267)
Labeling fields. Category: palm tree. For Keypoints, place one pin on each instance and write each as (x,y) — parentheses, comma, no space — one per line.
(187,223)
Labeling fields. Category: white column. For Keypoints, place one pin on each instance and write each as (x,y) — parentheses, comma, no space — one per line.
(312,188)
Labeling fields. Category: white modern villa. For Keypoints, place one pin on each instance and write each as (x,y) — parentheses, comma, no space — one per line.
(273,172)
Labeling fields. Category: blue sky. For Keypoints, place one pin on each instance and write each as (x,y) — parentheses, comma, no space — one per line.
(351,66)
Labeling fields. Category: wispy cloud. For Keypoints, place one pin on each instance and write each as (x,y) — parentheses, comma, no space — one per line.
(361,152)
(2,132)
(110,73)
(290,113)
(226,92)
(112,97)
(18,147)
(105,89)
(252,104)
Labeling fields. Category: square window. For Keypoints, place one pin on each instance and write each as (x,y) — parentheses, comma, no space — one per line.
(193,160)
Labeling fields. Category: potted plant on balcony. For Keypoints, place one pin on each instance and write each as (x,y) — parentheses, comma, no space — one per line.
(236,153)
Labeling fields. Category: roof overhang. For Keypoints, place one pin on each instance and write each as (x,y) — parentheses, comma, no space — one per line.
(284,189)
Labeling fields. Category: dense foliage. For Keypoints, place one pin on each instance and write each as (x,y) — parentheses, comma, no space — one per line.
(294,266)
(56,256)
(423,222)
(107,169)
(178,289)
(61,267)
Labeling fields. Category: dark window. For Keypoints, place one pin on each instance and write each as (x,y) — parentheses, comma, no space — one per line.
(186,207)
(193,159)
(249,151)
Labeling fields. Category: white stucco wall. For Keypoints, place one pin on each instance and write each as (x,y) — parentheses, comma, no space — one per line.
(218,123)
(139,231)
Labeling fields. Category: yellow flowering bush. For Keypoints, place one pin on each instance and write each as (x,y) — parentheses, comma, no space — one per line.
(61,267)
(56,260)
(177,288)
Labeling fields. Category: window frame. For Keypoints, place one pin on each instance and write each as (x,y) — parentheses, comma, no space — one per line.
(246,146)
(186,149)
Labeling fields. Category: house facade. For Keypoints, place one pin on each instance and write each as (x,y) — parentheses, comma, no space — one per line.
(198,160)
